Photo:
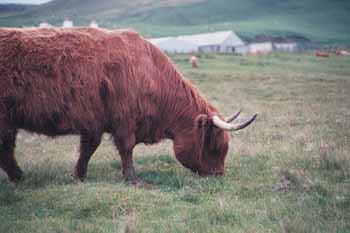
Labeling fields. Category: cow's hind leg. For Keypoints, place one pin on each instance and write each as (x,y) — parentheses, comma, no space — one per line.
(7,158)
(88,145)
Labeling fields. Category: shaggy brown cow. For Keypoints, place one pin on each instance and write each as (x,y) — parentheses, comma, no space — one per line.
(342,53)
(321,54)
(88,81)
(194,61)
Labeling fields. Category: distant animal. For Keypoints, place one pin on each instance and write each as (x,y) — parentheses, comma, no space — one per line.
(87,81)
(321,54)
(342,53)
(194,62)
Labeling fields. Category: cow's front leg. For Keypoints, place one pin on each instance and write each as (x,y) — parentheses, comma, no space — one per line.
(129,173)
(125,147)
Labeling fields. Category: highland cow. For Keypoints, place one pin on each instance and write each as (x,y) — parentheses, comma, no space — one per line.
(194,61)
(322,54)
(86,81)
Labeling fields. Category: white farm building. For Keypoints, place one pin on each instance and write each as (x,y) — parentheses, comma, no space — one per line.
(289,47)
(260,48)
(255,48)
(94,24)
(216,42)
(67,23)
(45,24)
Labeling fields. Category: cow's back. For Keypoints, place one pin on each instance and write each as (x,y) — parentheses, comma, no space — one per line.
(59,81)
(53,81)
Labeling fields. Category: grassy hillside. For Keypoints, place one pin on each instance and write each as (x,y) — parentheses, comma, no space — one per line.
(320,20)
(324,21)
(7,10)
(83,11)
(289,172)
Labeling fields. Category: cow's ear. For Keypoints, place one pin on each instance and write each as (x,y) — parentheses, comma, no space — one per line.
(202,123)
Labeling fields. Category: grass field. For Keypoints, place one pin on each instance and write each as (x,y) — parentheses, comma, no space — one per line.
(289,172)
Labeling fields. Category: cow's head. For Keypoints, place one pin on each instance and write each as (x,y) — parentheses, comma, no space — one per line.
(205,148)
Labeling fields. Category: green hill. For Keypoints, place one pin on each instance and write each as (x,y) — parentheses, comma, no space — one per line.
(320,20)
(11,9)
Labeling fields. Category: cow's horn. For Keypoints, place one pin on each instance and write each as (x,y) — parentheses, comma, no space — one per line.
(233,117)
(231,127)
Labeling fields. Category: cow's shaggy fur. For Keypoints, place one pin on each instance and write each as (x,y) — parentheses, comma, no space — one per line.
(89,81)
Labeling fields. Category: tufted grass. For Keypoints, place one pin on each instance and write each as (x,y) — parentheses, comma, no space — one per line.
(300,142)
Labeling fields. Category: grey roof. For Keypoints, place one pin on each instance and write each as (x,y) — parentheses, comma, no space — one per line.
(214,38)
(204,39)
(156,41)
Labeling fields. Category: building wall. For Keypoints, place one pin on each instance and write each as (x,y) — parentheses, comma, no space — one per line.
(67,24)
(265,47)
(209,49)
(220,42)
(286,47)
(230,44)
(242,49)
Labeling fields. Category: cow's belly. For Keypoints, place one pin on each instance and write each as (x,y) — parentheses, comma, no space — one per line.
(46,126)
(55,124)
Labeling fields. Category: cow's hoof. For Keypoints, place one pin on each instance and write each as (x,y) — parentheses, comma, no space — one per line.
(78,177)
(16,176)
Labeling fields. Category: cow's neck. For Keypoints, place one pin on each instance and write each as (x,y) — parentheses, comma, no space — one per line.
(178,101)
(181,121)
